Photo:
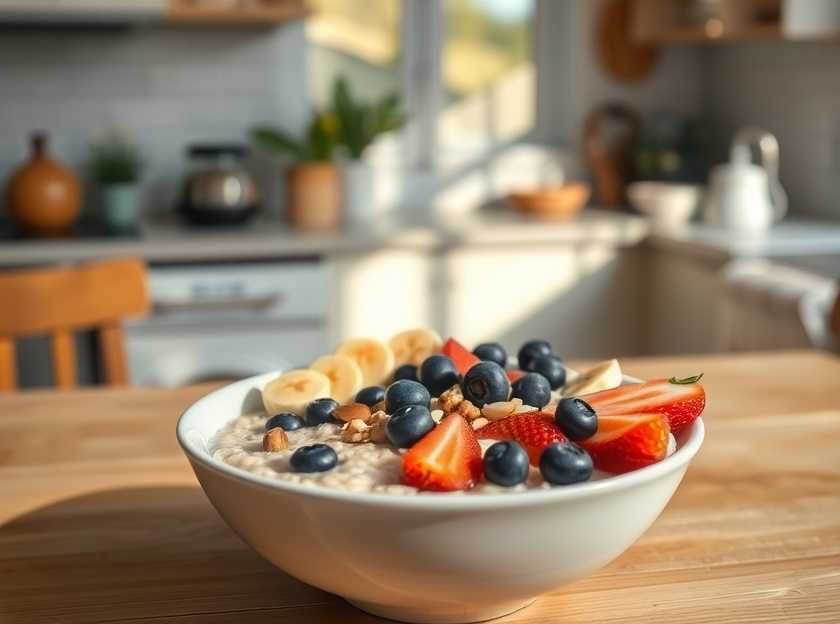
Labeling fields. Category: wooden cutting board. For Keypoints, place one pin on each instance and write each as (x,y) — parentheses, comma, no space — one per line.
(103,522)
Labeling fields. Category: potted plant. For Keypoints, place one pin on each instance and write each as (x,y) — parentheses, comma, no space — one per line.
(116,165)
(313,183)
(360,123)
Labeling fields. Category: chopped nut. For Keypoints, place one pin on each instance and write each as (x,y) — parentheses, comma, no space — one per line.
(523,409)
(449,400)
(377,422)
(356,430)
(353,411)
(501,409)
(468,410)
(478,423)
(379,407)
(437,415)
(275,440)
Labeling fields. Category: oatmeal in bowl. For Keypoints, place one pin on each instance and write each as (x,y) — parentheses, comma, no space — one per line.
(426,482)
(439,418)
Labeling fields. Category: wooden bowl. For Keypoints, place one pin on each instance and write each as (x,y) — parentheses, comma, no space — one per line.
(557,203)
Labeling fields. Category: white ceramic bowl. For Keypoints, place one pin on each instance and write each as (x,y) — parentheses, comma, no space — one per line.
(666,203)
(427,558)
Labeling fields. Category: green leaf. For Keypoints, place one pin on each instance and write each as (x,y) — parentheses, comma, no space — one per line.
(686,380)
(278,142)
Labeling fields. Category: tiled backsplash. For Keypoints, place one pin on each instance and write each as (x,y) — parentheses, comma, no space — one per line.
(792,90)
(167,86)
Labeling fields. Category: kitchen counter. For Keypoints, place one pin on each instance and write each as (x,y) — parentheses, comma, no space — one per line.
(171,242)
(791,237)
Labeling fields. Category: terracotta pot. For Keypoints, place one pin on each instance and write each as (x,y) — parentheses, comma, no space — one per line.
(44,197)
(314,196)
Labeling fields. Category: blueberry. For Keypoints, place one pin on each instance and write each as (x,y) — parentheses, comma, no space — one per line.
(438,374)
(408,424)
(576,418)
(564,463)
(486,382)
(320,411)
(533,389)
(371,395)
(491,352)
(285,420)
(406,371)
(551,367)
(530,350)
(314,458)
(506,463)
(406,392)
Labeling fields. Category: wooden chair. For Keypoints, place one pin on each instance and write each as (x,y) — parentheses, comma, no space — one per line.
(60,301)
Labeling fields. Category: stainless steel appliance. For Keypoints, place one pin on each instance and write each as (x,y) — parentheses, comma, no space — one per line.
(218,190)
(229,320)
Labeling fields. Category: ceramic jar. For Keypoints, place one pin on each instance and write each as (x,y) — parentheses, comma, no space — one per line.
(43,196)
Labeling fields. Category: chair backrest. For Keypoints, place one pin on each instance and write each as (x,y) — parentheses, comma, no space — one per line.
(60,301)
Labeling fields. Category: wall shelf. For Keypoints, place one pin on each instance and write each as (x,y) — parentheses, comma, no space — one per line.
(274,12)
(664,22)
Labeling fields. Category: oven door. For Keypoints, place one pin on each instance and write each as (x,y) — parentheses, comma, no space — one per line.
(178,355)
(229,321)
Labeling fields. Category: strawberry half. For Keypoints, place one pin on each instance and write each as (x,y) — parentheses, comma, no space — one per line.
(514,375)
(625,443)
(532,430)
(680,400)
(447,458)
(464,360)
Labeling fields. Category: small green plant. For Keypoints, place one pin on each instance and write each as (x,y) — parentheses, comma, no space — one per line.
(115,159)
(317,145)
(360,122)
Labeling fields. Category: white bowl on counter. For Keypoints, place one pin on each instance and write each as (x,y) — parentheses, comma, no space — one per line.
(430,557)
(666,203)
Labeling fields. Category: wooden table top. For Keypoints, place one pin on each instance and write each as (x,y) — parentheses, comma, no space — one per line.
(102,520)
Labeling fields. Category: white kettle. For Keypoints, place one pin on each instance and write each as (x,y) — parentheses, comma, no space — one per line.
(745,196)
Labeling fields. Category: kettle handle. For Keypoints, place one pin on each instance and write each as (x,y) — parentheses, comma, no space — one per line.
(768,147)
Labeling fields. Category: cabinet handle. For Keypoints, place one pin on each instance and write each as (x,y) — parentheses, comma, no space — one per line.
(249,304)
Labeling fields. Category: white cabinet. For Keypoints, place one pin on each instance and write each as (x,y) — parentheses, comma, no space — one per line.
(583,298)
(686,302)
(381,292)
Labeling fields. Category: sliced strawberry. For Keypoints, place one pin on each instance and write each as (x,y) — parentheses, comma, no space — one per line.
(625,443)
(514,375)
(680,400)
(458,353)
(447,458)
(532,430)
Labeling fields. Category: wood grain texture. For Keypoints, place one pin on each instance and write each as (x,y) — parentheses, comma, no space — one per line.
(102,519)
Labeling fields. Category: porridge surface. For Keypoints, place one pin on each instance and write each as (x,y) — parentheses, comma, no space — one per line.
(363,467)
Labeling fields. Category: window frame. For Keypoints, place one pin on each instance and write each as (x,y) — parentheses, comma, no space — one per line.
(423,29)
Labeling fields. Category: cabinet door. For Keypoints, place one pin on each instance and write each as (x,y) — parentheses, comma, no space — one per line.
(380,293)
(584,299)
(686,299)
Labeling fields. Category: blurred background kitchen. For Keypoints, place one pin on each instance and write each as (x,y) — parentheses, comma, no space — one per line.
(620,177)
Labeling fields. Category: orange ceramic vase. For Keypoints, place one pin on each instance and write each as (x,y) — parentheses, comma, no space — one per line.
(314,196)
(44,197)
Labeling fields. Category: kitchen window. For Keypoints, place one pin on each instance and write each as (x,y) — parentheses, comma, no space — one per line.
(464,67)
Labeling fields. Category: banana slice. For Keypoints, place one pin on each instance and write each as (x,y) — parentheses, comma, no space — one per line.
(344,374)
(373,357)
(291,391)
(415,345)
(602,376)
